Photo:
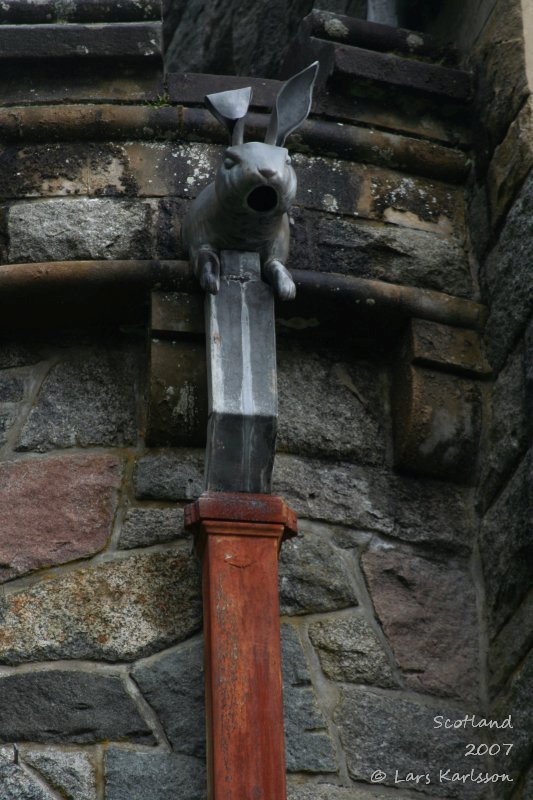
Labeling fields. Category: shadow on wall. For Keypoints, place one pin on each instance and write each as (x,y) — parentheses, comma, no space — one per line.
(235,37)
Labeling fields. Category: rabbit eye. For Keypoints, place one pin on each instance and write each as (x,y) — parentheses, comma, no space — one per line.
(288,160)
(229,162)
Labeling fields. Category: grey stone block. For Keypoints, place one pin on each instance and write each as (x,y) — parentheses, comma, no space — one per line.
(506,541)
(329,407)
(11,388)
(8,415)
(506,432)
(308,747)
(71,773)
(170,476)
(314,576)
(396,255)
(397,737)
(16,784)
(17,354)
(84,228)
(69,707)
(158,775)
(517,701)
(143,527)
(87,400)
(350,652)
(173,685)
(323,791)
(508,279)
(116,611)
(368,499)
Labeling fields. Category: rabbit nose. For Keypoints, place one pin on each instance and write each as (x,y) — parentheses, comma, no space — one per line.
(267,173)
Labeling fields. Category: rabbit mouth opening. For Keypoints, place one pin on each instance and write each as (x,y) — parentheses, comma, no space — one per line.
(262,198)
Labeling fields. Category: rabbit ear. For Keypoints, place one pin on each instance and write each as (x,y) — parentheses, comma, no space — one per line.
(293,104)
(230,109)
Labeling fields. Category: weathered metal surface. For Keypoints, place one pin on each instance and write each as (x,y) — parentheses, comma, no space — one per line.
(114,40)
(238,538)
(332,291)
(246,207)
(241,363)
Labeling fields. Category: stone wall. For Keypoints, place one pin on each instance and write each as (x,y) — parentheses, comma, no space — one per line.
(498,42)
(383,593)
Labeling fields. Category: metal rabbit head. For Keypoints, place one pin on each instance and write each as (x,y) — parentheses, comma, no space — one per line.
(292,107)
(246,207)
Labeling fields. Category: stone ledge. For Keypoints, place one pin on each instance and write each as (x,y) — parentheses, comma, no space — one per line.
(47,11)
(371,298)
(114,40)
(51,123)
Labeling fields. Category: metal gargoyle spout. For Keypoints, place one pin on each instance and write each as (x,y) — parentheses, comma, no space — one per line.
(246,207)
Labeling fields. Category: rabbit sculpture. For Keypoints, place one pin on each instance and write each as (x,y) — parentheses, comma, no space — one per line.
(246,207)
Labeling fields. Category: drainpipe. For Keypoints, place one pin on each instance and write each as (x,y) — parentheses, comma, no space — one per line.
(237,232)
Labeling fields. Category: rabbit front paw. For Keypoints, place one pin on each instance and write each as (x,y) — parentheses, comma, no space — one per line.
(279,277)
(208,271)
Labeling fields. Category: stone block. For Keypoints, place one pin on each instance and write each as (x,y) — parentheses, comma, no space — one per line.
(170,476)
(308,746)
(506,427)
(451,349)
(499,56)
(159,169)
(511,645)
(314,576)
(330,407)
(367,499)
(506,542)
(517,701)
(8,416)
(511,162)
(508,279)
(46,11)
(115,611)
(326,791)
(87,400)
(69,707)
(55,510)
(395,254)
(356,190)
(143,527)
(137,775)
(84,228)
(437,423)
(11,388)
(400,737)
(173,685)
(71,773)
(350,652)
(17,354)
(18,785)
(177,412)
(428,613)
